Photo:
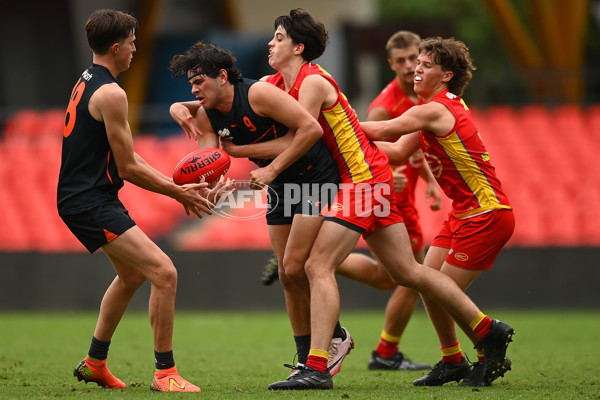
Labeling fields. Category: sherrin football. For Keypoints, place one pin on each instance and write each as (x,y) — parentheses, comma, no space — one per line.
(208,163)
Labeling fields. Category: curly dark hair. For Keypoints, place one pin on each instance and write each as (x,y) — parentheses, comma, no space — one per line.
(452,55)
(208,59)
(303,28)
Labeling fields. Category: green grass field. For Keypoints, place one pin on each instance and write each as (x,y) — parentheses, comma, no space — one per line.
(236,355)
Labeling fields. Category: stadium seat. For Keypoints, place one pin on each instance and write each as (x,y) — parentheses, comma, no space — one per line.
(593,117)
(31,125)
(547,159)
(52,124)
(20,125)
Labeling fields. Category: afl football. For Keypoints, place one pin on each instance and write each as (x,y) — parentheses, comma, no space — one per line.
(209,163)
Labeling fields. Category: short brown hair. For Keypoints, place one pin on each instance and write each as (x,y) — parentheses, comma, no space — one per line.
(402,40)
(107,27)
(452,55)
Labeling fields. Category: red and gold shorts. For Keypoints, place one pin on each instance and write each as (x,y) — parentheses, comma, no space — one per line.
(364,207)
(475,242)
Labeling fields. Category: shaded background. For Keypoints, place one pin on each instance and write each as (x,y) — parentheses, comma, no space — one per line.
(535,97)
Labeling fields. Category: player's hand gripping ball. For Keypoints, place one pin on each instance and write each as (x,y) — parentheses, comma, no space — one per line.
(208,163)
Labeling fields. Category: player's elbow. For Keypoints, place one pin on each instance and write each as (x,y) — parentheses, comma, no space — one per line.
(372,131)
(313,132)
(317,131)
(126,175)
(382,132)
(127,171)
(395,158)
(174,107)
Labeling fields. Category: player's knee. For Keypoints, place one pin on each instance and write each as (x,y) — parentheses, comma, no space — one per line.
(284,278)
(169,275)
(165,276)
(385,283)
(384,280)
(293,268)
(406,276)
(132,282)
(296,275)
(406,282)
(316,269)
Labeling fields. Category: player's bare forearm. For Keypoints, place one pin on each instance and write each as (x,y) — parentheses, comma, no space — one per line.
(425,173)
(264,150)
(157,172)
(302,141)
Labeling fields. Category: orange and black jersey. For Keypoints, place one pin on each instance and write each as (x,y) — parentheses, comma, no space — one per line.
(243,126)
(88,172)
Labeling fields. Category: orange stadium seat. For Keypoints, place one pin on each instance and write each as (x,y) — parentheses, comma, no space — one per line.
(34,125)
(547,159)
(593,117)
(20,125)
(52,124)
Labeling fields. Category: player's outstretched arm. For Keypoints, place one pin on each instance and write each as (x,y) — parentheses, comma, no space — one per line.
(401,150)
(268,101)
(412,120)
(157,172)
(109,104)
(314,93)
(264,150)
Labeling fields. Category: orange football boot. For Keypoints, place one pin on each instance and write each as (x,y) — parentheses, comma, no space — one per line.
(90,370)
(169,380)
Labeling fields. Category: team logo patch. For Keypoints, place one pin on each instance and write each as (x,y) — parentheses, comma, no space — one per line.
(336,207)
(224,133)
(435,164)
(461,256)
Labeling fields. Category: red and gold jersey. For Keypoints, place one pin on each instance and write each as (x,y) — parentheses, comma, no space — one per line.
(393,100)
(356,157)
(461,164)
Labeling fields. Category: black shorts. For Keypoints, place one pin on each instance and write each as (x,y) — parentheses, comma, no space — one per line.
(99,225)
(308,195)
